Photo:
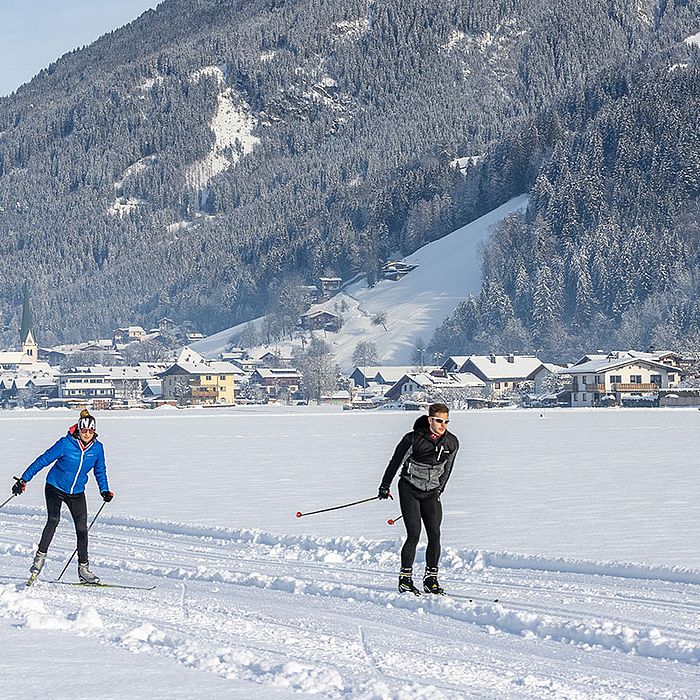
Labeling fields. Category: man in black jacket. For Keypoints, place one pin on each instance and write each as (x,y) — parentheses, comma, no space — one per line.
(425,456)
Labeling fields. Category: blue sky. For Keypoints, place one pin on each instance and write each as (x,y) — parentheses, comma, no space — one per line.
(34,33)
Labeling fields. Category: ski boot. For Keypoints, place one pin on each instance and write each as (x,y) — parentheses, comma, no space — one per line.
(36,567)
(430,582)
(38,563)
(86,576)
(406,582)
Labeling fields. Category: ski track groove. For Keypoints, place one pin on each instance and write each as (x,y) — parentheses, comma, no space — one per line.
(462,588)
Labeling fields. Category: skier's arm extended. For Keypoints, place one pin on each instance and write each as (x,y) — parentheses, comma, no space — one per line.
(51,455)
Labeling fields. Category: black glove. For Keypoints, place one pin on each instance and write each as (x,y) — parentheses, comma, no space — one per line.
(107,496)
(383,493)
(18,487)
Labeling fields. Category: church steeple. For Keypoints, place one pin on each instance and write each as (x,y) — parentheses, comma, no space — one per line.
(26,335)
(26,326)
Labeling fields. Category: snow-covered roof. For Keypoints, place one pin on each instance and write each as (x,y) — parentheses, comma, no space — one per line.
(15,358)
(606,365)
(154,387)
(622,354)
(280,354)
(552,368)
(495,367)
(426,380)
(42,381)
(92,370)
(277,372)
(189,356)
(391,375)
(142,371)
(219,367)
(457,360)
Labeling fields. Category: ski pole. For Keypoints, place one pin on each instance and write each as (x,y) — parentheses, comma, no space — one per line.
(393,521)
(7,501)
(345,505)
(76,549)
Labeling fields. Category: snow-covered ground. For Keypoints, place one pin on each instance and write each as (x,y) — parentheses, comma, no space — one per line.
(448,271)
(583,523)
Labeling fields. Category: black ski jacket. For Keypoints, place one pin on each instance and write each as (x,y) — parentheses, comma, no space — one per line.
(424,463)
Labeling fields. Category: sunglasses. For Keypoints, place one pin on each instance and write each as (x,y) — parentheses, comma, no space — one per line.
(87,430)
(440,420)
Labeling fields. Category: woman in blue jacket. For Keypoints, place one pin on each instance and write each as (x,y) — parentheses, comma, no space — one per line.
(73,456)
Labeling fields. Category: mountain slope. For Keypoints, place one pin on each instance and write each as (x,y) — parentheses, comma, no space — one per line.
(413,307)
(179,165)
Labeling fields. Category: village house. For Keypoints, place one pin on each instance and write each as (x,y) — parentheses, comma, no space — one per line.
(394,270)
(130,381)
(129,334)
(425,381)
(81,386)
(362,376)
(328,286)
(39,388)
(544,373)
(320,320)
(619,380)
(276,358)
(247,365)
(233,354)
(275,381)
(502,374)
(195,381)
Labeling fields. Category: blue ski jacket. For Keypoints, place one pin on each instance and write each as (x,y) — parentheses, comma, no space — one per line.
(73,463)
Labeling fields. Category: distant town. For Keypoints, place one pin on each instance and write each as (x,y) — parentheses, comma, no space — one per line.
(136,368)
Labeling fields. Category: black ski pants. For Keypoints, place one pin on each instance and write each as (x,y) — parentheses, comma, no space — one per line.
(77,505)
(417,506)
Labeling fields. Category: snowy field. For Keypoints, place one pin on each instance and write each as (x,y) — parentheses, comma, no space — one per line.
(583,523)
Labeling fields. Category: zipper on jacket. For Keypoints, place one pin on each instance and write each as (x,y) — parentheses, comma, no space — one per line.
(80,466)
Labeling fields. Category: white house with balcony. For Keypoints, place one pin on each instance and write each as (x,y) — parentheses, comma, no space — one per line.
(86,385)
(613,379)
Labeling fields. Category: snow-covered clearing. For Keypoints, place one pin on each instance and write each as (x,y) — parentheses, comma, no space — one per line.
(583,523)
(448,271)
(232,125)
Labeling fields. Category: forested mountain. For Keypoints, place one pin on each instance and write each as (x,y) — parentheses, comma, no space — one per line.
(180,165)
(608,253)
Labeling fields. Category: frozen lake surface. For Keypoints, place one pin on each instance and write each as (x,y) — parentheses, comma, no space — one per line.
(601,484)
(582,523)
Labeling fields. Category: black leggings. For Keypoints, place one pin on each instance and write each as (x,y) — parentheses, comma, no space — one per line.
(77,505)
(417,505)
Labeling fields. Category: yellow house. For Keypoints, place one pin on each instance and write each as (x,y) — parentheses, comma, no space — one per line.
(192,380)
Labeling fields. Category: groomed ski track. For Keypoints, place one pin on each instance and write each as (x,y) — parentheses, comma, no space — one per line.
(278,615)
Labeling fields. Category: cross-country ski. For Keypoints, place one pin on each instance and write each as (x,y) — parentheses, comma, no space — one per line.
(102,584)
